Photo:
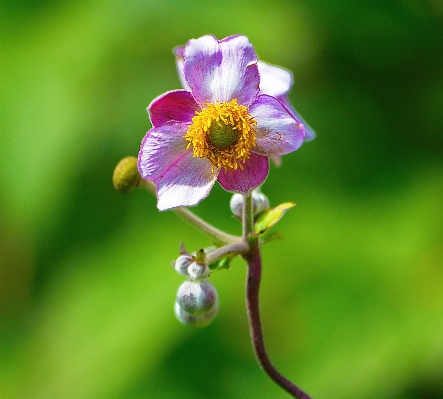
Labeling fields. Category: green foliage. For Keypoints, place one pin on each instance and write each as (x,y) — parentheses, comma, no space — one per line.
(270,217)
(223,263)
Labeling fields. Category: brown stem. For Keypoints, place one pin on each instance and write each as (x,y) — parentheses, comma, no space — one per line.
(252,290)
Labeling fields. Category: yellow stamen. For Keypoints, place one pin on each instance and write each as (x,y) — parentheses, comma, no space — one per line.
(222,133)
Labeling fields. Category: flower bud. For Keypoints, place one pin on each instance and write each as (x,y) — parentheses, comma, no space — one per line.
(195,321)
(126,176)
(259,203)
(182,263)
(262,202)
(198,271)
(236,205)
(197,297)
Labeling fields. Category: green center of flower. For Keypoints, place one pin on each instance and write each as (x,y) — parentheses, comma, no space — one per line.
(223,133)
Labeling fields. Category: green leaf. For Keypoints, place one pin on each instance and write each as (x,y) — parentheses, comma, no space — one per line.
(270,217)
(200,256)
(274,236)
(223,263)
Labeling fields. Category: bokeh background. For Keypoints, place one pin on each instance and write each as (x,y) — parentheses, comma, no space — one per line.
(352,299)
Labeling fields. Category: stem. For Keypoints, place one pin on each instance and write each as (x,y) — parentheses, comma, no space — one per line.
(232,249)
(253,258)
(247,217)
(220,237)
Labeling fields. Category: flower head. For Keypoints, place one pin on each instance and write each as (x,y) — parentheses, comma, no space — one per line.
(222,126)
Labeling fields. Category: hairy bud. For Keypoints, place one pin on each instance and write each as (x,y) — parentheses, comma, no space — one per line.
(195,321)
(263,202)
(236,205)
(197,271)
(259,203)
(182,263)
(197,297)
(126,176)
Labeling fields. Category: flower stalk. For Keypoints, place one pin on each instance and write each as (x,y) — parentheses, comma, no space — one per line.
(218,236)
(253,259)
(227,250)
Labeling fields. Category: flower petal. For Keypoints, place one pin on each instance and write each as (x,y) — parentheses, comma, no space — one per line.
(221,70)
(309,132)
(277,132)
(177,106)
(274,80)
(276,159)
(179,62)
(185,183)
(254,173)
(161,147)
(277,82)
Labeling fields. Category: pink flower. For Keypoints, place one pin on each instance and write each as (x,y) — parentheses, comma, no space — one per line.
(222,127)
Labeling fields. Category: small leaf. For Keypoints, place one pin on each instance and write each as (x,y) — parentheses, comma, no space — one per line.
(200,256)
(223,263)
(274,236)
(270,217)
(183,249)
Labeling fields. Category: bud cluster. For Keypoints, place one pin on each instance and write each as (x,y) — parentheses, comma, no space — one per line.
(197,299)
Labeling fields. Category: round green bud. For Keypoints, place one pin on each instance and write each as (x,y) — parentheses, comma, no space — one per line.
(197,297)
(195,321)
(222,135)
(126,176)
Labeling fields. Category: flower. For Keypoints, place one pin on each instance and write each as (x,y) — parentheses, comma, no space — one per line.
(221,127)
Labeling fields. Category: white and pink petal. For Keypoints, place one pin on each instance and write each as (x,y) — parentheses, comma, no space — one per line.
(309,132)
(221,70)
(162,147)
(254,173)
(176,106)
(185,183)
(277,82)
(179,61)
(274,81)
(277,132)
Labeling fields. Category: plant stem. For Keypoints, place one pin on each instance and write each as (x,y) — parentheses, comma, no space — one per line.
(247,217)
(253,258)
(231,249)
(220,237)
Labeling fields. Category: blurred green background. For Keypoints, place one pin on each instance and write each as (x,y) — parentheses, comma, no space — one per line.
(352,299)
